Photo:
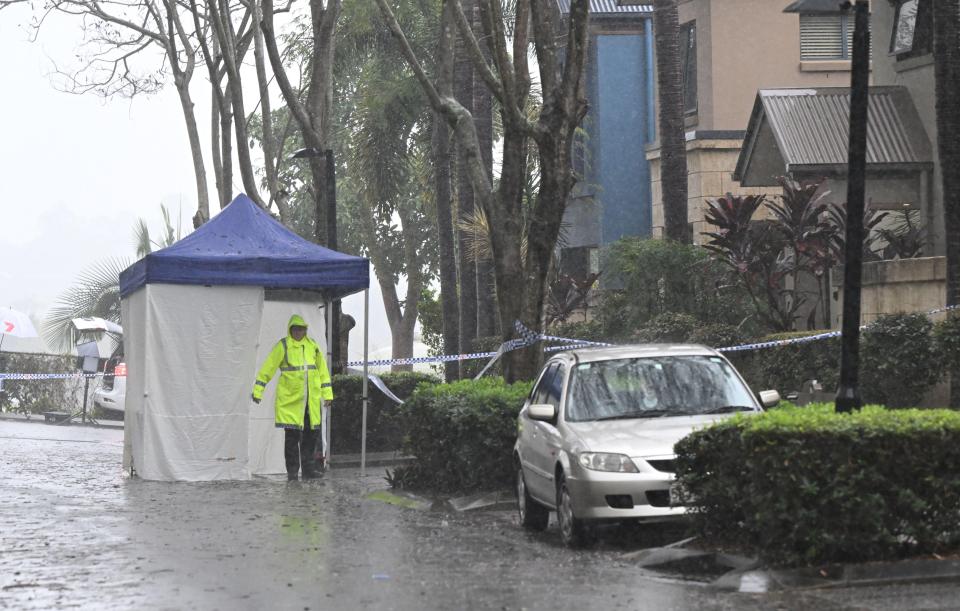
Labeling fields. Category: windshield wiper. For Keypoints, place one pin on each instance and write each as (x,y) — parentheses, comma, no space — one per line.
(645,413)
(726,409)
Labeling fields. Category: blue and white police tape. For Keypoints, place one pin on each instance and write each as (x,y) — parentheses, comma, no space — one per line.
(47,376)
(527,337)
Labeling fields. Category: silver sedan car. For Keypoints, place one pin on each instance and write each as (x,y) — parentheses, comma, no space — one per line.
(595,437)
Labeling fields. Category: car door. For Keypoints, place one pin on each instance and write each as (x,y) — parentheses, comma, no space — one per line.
(545,438)
(532,440)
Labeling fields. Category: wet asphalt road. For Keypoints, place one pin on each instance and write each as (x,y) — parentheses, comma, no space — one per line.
(77,533)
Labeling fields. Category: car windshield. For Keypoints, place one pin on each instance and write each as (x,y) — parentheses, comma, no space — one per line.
(655,386)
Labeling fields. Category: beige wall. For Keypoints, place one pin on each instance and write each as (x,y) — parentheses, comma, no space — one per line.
(709,168)
(743,46)
(916,74)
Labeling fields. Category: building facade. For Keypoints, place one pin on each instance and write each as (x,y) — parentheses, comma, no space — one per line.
(612,198)
(729,50)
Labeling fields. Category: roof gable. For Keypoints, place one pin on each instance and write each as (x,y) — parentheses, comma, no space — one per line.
(809,130)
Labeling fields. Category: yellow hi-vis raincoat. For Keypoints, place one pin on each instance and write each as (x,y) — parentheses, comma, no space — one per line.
(304,379)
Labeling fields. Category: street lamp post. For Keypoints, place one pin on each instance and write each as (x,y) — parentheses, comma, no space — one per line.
(331,183)
(848,393)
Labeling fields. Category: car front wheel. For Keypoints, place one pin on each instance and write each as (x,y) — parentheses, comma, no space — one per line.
(575,532)
(533,515)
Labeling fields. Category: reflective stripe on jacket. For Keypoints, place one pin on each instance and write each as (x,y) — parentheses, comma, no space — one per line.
(304,380)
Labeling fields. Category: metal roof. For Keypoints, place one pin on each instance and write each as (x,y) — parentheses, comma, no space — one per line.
(814,6)
(810,128)
(599,7)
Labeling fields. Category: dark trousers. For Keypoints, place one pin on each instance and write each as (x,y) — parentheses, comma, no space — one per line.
(299,448)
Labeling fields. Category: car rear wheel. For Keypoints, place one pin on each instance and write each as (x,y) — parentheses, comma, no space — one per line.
(575,531)
(533,515)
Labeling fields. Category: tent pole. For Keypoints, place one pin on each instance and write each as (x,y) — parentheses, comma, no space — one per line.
(366,396)
(327,419)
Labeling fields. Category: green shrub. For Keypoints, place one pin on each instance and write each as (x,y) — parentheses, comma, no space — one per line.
(786,368)
(898,360)
(347,417)
(717,335)
(37,396)
(805,485)
(946,334)
(645,278)
(462,435)
(670,327)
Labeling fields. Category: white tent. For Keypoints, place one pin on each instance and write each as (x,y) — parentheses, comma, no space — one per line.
(200,316)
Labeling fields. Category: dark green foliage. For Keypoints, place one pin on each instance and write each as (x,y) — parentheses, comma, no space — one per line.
(647,278)
(898,360)
(37,396)
(946,334)
(669,327)
(347,414)
(462,435)
(716,335)
(805,485)
(786,368)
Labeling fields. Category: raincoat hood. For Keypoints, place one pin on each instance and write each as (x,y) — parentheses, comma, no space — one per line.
(296,321)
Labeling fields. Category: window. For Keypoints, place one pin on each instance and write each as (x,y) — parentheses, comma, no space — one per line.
(688,66)
(542,392)
(912,29)
(825,37)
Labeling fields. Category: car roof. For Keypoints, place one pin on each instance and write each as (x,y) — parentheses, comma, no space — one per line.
(588,355)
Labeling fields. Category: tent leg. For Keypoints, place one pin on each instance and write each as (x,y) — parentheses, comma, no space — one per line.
(327,430)
(366,396)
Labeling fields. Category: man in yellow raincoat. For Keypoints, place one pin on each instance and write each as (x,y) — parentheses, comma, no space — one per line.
(304,380)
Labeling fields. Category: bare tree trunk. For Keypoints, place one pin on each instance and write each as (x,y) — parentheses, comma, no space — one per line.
(563,108)
(483,119)
(182,77)
(946,54)
(673,151)
(269,140)
(463,91)
(312,115)
(226,33)
(440,144)
(226,152)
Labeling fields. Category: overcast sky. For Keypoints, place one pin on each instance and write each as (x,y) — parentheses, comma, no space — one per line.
(78,171)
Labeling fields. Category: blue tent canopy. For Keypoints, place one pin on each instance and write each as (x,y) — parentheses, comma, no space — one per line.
(244,245)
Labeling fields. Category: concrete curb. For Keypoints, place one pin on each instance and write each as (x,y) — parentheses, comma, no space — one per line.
(374,459)
(485,501)
(840,575)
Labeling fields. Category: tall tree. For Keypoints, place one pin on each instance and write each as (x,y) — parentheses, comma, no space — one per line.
(442,160)
(483,118)
(673,152)
(313,114)
(521,280)
(946,54)
(463,91)
(121,32)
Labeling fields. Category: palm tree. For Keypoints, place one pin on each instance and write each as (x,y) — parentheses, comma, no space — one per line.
(141,235)
(673,151)
(95,293)
(97,290)
(946,55)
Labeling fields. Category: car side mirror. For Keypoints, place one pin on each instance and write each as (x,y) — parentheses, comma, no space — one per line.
(769,398)
(542,411)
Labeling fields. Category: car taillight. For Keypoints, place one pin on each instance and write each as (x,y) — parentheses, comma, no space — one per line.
(121,370)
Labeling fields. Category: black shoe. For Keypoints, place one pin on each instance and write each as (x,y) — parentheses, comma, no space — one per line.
(291,477)
(311,474)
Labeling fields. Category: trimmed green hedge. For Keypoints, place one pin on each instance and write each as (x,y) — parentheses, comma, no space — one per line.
(805,485)
(462,435)
(899,361)
(37,396)
(347,417)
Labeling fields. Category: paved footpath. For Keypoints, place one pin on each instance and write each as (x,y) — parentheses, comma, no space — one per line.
(76,533)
